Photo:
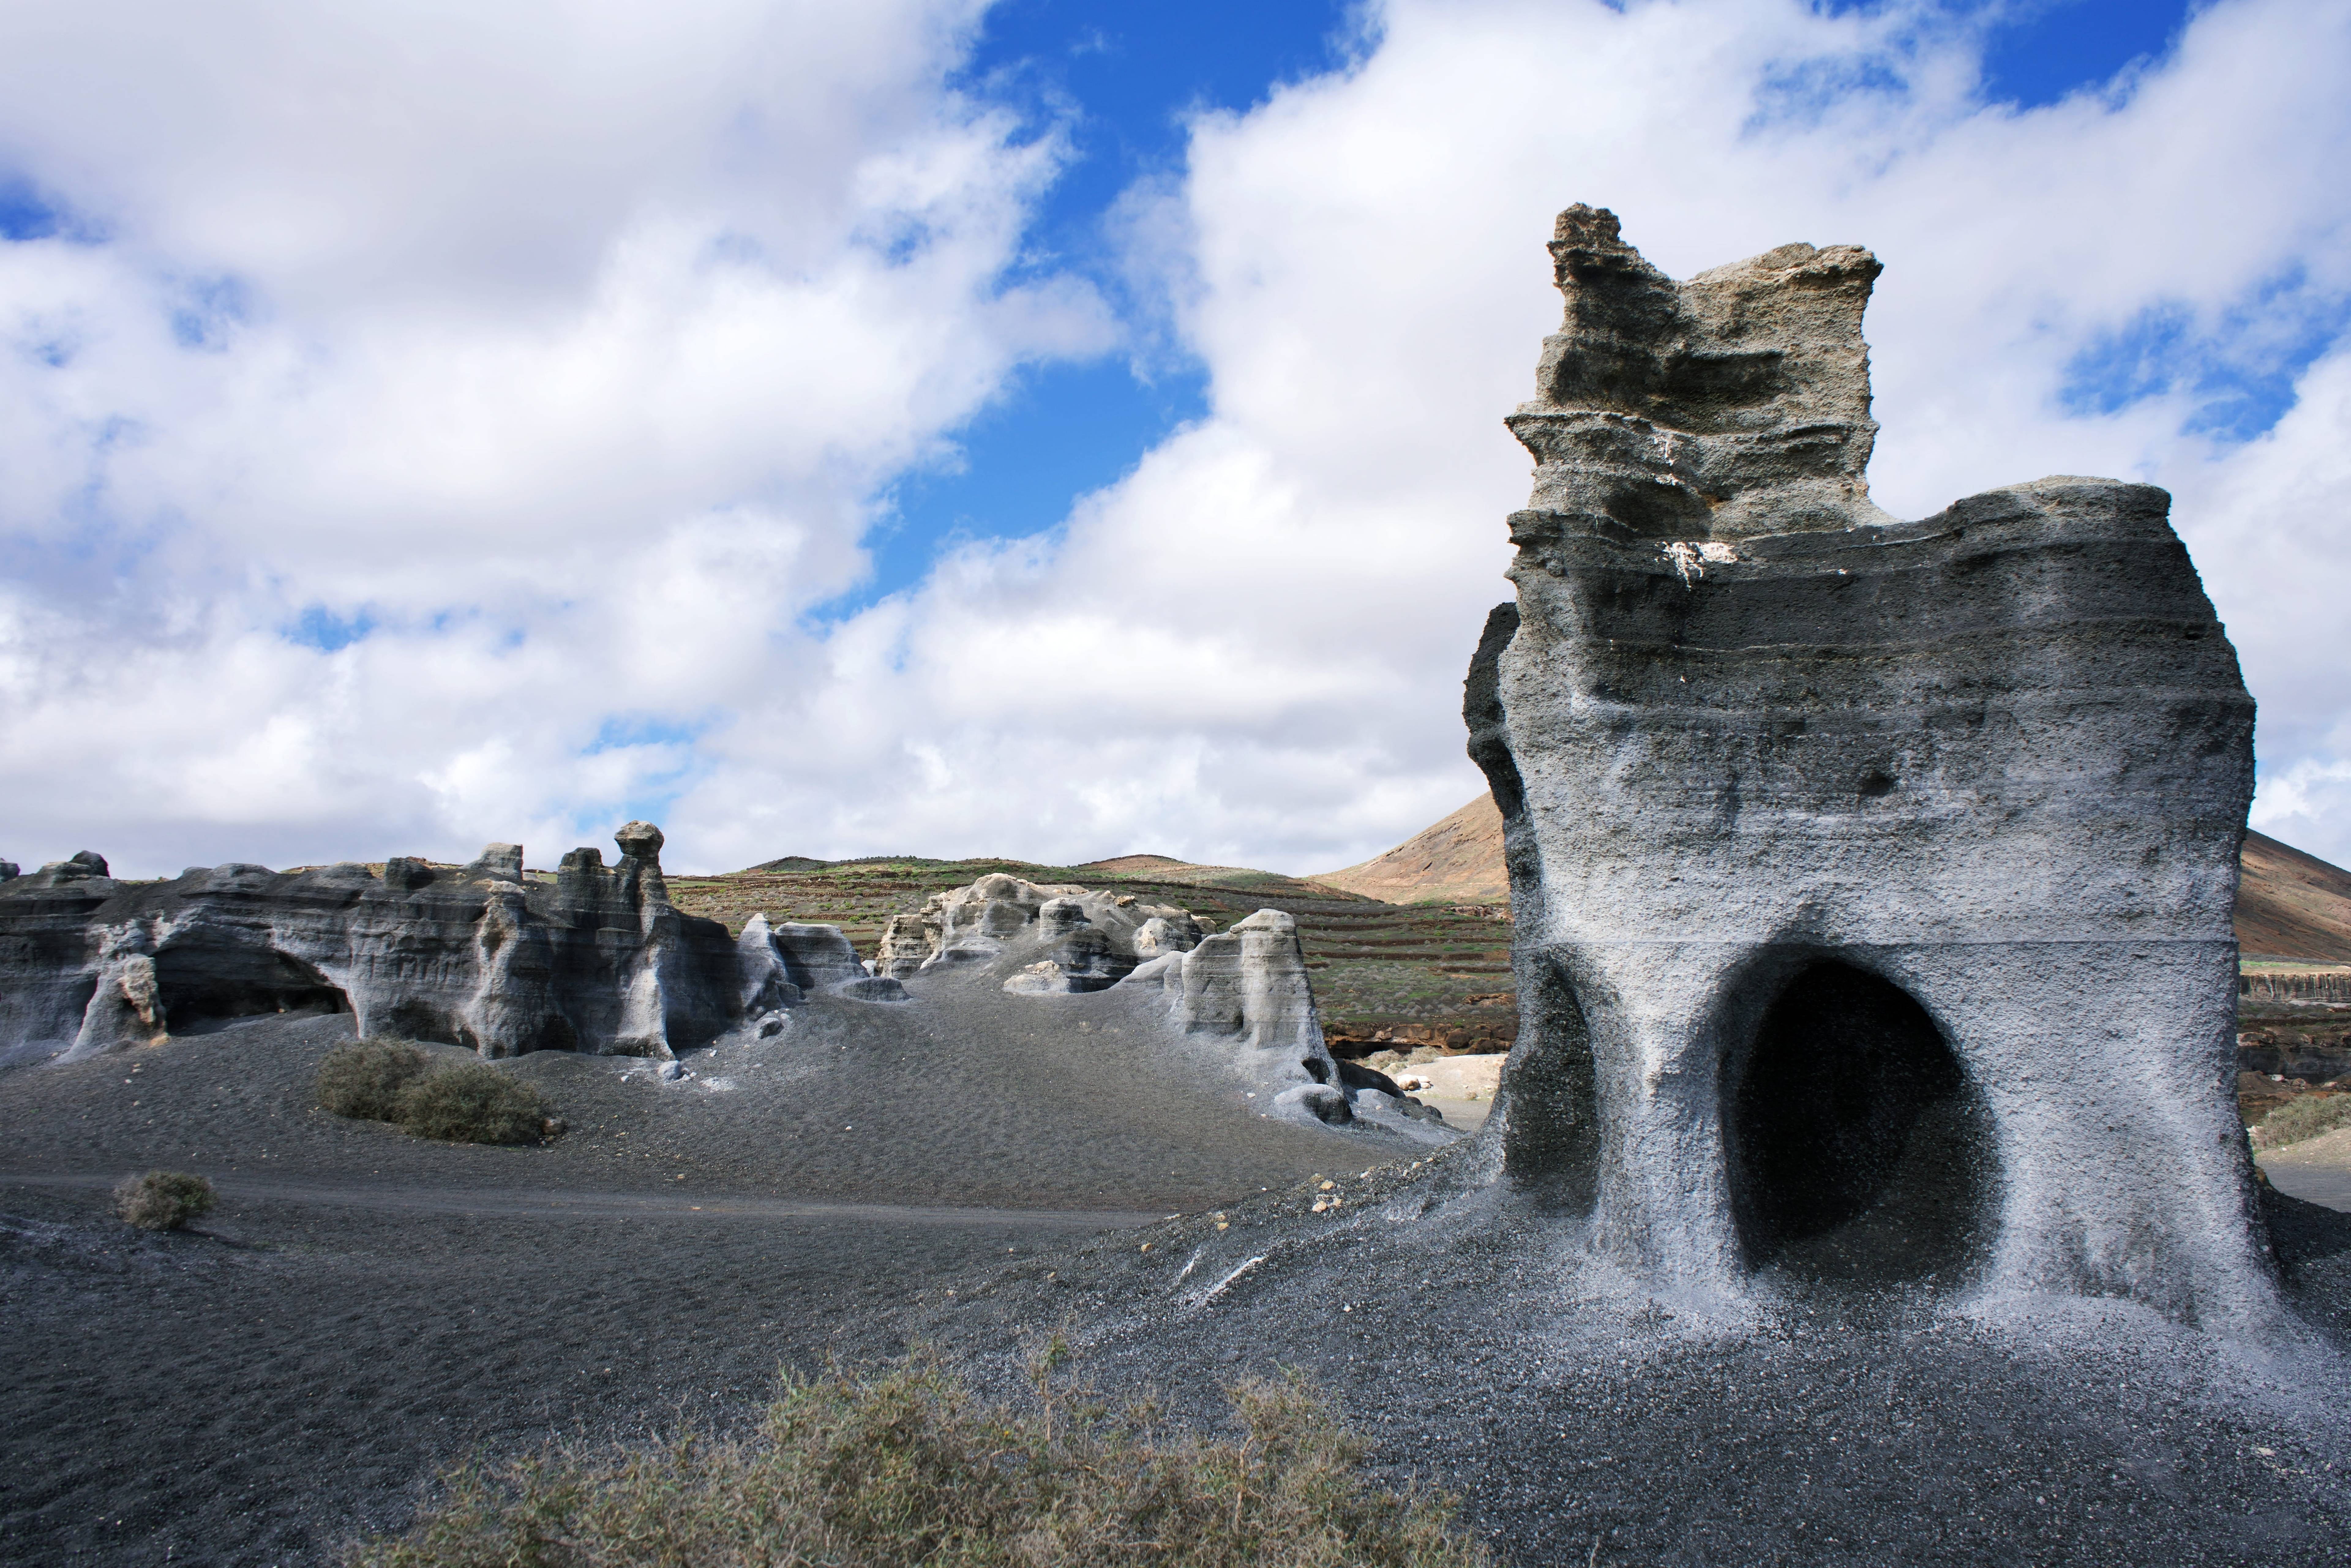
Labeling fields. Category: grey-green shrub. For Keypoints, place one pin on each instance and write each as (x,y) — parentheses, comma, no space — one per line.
(364,1078)
(908,1469)
(473,1103)
(2305,1118)
(163,1200)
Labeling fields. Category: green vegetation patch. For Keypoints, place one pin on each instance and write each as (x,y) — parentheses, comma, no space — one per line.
(473,1103)
(364,1078)
(908,1468)
(2306,1117)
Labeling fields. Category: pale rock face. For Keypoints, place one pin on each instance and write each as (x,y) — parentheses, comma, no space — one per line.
(1815,821)
(767,982)
(781,965)
(1735,404)
(1088,940)
(126,1008)
(477,956)
(1246,989)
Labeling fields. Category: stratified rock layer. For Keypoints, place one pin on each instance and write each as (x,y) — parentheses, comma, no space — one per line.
(482,956)
(1820,827)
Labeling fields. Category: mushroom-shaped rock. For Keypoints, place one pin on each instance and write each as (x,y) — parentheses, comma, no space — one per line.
(640,840)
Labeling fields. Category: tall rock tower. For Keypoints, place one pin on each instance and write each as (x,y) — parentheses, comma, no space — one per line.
(1873,879)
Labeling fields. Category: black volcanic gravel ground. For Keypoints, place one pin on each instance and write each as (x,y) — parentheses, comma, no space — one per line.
(367,1309)
(1585,1420)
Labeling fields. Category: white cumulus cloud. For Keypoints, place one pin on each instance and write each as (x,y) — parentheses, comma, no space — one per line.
(560,360)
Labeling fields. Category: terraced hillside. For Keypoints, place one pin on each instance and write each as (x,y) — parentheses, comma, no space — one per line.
(1431,972)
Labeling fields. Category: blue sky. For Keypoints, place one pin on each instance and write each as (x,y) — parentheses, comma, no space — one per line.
(1120,82)
(1123,80)
(1045,429)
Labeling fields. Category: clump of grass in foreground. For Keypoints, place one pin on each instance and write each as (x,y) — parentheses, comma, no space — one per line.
(395,1080)
(163,1200)
(2306,1118)
(908,1468)
(364,1078)
(474,1103)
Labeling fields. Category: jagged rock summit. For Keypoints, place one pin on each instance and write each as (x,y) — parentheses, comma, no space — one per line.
(1817,821)
(1735,404)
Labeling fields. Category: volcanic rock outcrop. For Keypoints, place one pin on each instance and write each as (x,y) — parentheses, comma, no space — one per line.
(1245,990)
(1820,825)
(1241,995)
(1087,941)
(598,960)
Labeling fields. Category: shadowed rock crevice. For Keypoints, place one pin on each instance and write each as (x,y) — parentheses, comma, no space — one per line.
(1481,710)
(1857,1152)
(1550,1117)
(209,978)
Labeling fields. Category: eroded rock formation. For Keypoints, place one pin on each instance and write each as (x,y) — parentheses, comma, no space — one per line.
(1820,825)
(1085,940)
(597,960)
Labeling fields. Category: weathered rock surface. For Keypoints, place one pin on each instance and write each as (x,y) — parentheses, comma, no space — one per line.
(1084,940)
(1241,994)
(480,957)
(1246,991)
(1818,823)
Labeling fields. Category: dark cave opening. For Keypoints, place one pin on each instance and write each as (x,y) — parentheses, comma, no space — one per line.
(1859,1153)
(214,980)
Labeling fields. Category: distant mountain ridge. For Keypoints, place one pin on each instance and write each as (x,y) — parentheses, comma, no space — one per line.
(2289,905)
(1456,861)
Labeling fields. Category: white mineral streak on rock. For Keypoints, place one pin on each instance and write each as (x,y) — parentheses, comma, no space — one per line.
(1813,862)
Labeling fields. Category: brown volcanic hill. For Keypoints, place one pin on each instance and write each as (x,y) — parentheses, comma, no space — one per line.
(2293,906)
(2289,905)
(1459,860)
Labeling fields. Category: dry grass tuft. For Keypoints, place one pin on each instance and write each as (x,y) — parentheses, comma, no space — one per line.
(364,1078)
(163,1200)
(907,1469)
(474,1103)
(394,1081)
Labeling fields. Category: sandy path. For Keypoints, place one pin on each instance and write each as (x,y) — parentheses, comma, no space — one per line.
(492,1204)
(1460,1086)
(2316,1170)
